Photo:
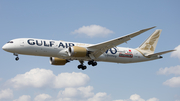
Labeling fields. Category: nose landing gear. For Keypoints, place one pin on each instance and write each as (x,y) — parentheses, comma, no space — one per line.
(17,58)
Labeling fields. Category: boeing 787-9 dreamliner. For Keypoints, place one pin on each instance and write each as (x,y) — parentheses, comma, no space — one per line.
(62,52)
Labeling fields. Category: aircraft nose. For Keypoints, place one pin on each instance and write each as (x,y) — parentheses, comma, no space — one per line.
(5,47)
(8,48)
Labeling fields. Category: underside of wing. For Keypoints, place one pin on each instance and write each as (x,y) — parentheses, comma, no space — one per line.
(98,49)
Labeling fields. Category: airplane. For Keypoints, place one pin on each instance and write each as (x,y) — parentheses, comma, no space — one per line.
(62,52)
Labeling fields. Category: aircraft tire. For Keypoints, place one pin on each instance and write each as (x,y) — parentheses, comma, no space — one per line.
(90,62)
(80,66)
(94,64)
(17,58)
(84,67)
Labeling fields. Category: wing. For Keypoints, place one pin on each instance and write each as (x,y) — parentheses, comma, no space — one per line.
(98,49)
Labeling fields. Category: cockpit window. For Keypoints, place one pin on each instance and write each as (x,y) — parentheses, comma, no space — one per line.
(10,42)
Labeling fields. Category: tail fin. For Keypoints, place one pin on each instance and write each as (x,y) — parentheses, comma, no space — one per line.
(148,47)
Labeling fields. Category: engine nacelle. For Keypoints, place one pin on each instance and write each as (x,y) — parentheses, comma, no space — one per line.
(77,51)
(58,61)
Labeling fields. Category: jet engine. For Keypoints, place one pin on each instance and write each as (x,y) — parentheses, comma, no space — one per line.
(58,61)
(77,51)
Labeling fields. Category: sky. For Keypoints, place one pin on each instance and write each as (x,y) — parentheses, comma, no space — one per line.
(33,78)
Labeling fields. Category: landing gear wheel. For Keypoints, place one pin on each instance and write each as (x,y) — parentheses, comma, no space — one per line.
(94,63)
(79,66)
(17,58)
(90,62)
(84,67)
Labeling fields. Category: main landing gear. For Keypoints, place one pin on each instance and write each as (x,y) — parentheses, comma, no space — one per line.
(93,63)
(17,58)
(83,67)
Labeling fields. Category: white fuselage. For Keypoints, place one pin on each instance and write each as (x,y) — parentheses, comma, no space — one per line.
(52,48)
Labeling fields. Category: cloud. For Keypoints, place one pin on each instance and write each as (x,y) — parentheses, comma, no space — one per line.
(71,82)
(176,53)
(93,31)
(81,94)
(24,98)
(173,82)
(6,94)
(172,70)
(153,99)
(39,78)
(42,97)
(65,99)
(100,97)
(136,97)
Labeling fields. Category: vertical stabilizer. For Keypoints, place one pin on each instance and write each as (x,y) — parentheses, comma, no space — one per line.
(148,47)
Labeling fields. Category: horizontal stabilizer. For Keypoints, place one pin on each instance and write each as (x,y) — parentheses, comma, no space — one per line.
(160,53)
